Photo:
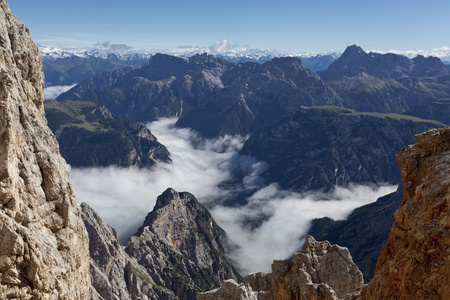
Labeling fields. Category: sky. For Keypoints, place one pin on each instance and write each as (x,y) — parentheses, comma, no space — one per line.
(292,25)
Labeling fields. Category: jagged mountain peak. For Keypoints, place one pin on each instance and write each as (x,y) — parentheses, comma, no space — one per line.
(387,65)
(168,196)
(353,50)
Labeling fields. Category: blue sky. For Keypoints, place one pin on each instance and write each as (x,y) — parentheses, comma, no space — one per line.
(285,25)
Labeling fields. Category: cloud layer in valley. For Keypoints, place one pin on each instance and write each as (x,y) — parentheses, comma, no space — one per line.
(271,224)
(52,92)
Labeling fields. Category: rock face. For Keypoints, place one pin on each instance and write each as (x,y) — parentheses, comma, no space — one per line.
(319,271)
(415,263)
(43,242)
(182,247)
(114,273)
(364,232)
(177,253)
(212,96)
(89,135)
(320,147)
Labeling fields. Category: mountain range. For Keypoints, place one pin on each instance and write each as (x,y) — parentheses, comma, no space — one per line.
(53,248)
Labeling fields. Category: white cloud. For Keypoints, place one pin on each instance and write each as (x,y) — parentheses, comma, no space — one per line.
(286,218)
(123,197)
(222,46)
(52,92)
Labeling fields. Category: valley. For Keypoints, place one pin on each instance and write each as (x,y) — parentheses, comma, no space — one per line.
(221,175)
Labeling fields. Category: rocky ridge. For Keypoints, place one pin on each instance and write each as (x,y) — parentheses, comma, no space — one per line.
(89,135)
(319,271)
(177,253)
(43,242)
(320,147)
(387,83)
(213,96)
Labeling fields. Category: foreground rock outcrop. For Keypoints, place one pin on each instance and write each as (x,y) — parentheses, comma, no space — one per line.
(182,247)
(177,253)
(364,232)
(114,273)
(415,263)
(43,241)
(319,271)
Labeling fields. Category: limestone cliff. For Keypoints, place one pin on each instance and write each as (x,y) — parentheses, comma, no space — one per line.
(182,247)
(43,242)
(114,273)
(177,253)
(319,271)
(415,263)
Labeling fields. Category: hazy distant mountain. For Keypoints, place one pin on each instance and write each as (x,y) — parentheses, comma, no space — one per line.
(355,60)
(386,82)
(72,70)
(212,95)
(67,67)
(321,147)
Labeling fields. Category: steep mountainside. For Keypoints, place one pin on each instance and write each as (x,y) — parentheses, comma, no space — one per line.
(386,82)
(364,232)
(415,263)
(255,96)
(320,147)
(43,242)
(178,252)
(213,96)
(435,109)
(387,65)
(89,135)
(166,87)
(181,246)
(114,273)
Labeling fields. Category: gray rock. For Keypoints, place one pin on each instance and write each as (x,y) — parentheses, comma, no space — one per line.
(43,242)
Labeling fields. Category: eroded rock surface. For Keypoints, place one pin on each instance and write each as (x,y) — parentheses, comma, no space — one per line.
(114,273)
(182,247)
(415,263)
(319,271)
(43,242)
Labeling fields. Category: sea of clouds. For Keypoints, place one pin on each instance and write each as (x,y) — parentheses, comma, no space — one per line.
(269,226)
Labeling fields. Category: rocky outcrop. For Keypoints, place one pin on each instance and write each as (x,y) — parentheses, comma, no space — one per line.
(114,273)
(43,241)
(181,246)
(319,271)
(364,232)
(89,135)
(177,253)
(415,263)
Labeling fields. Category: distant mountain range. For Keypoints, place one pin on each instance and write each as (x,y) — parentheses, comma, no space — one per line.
(127,53)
